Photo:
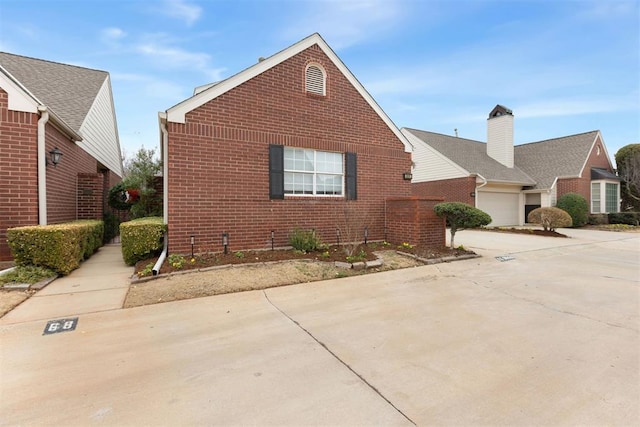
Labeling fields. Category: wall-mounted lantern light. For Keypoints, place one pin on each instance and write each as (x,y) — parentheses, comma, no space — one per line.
(407,176)
(472,194)
(54,157)
(225,241)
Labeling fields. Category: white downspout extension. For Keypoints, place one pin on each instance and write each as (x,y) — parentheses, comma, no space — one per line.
(480,186)
(165,194)
(42,166)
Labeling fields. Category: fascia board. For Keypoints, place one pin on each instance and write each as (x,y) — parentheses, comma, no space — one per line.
(20,98)
(415,141)
(177,113)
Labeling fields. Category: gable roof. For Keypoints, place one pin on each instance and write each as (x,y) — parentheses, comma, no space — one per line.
(472,156)
(73,93)
(547,160)
(177,112)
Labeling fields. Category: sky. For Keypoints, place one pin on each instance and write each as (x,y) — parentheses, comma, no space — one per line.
(562,66)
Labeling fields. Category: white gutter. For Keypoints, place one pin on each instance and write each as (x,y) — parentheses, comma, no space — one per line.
(42,165)
(162,118)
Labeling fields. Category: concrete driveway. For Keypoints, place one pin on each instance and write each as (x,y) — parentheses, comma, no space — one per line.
(548,336)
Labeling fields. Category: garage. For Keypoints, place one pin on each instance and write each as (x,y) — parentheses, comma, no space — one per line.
(503,207)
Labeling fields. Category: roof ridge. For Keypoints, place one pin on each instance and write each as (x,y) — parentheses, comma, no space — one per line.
(53,62)
(559,137)
(444,134)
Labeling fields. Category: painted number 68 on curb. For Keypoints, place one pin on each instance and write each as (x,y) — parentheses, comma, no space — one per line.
(60,325)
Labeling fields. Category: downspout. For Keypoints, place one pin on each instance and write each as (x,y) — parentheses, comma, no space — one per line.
(42,165)
(480,186)
(165,190)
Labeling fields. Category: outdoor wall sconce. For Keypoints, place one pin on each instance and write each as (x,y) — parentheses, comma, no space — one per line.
(193,242)
(407,176)
(55,156)
(225,242)
(338,235)
(366,234)
(273,235)
(472,194)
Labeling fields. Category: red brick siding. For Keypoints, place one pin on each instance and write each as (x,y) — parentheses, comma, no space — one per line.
(62,179)
(413,220)
(90,195)
(18,171)
(218,160)
(582,185)
(452,190)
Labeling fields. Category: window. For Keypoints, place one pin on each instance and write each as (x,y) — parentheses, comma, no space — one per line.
(311,172)
(605,196)
(315,80)
(611,197)
(595,197)
(307,172)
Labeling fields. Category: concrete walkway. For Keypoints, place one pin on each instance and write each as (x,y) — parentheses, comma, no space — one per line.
(100,284)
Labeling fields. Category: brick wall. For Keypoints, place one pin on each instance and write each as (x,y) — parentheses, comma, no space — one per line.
(90,196)
(582,185)
(218,176)
(413,220)
(18,171)
(62,179)
(451,190)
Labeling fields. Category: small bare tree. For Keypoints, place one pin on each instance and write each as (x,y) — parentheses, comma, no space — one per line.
(352,224)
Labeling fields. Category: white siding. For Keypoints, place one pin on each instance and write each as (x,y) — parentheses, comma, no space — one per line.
(500,139)
(100,133)
(429,164)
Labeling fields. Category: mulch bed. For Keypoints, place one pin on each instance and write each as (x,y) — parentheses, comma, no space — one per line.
(332,254)
(528,231)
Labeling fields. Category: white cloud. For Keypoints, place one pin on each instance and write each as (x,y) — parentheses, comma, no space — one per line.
(174,57)
(112,33)
(181,9)
(573,107)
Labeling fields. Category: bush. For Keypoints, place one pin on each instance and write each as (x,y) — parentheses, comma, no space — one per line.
(460,216)
(576,206)
(304,240)
(141,238)
(597,219)
(629,218)
(59,247)
(550,218)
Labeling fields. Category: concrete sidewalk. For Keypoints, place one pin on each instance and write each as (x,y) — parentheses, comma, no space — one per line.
(101,283)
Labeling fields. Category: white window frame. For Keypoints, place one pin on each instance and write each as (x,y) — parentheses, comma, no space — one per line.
(307,86)
(602,202)
(314,174)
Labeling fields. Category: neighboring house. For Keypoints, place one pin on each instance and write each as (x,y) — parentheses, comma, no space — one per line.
(51,107)
(292,141)
(508,181)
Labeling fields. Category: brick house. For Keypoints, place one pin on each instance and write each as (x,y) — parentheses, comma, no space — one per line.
(47,106)
(508,181)
(292,141)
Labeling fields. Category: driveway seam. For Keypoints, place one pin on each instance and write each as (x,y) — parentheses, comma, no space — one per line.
(346,365)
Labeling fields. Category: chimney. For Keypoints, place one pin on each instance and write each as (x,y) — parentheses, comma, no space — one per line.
(500,135)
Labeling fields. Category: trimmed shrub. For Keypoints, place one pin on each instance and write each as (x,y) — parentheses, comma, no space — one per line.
(576,206)
(629,218)
(550,218)
(597,219)
(59,247)
(304,240)
(460,216)
(141,238)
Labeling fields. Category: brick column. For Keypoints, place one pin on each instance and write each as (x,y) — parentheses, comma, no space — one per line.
(413,220)
(90,196)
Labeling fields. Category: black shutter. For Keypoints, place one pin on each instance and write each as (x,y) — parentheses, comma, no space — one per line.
(276,171)
(351,176)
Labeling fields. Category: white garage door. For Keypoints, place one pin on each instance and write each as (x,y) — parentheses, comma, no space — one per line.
(503,207)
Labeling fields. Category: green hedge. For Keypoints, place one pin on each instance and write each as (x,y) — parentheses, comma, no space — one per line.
(141,238)
(629,218)
(60,247)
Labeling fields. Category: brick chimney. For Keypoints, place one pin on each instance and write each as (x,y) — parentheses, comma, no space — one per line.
(500,135)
